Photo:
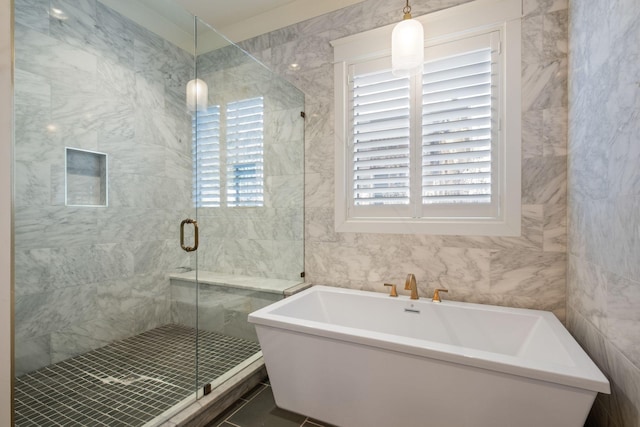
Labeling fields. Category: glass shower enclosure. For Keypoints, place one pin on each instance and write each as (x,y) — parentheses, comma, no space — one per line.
(158,174)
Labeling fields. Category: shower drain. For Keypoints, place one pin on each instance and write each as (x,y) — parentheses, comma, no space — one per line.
(126,380)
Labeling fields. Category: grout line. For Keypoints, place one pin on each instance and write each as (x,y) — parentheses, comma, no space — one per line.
(226,420)
(312,423)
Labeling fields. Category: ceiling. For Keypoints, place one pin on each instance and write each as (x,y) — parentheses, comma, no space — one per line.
(243,19)
(236,20)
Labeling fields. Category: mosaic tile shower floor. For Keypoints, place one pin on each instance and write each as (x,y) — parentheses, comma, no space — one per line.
(128,382)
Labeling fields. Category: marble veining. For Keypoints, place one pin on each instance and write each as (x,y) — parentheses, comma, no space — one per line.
(90,78)
(87,276)
(526,271)
(603,280)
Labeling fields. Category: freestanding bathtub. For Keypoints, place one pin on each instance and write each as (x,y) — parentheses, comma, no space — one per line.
(354,358)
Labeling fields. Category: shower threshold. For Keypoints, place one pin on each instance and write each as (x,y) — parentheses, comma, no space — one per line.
(138,381)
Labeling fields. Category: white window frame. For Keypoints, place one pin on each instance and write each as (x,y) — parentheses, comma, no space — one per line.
(474,18)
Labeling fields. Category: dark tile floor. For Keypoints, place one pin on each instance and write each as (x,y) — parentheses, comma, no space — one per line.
(128,382)
(258,409)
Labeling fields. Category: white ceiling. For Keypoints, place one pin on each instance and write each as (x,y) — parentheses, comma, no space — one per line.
(243,19)
(237,20)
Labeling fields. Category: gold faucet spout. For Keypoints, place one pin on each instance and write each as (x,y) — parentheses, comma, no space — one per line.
(410,284)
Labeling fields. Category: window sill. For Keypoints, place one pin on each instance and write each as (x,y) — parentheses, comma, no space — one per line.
(446,227)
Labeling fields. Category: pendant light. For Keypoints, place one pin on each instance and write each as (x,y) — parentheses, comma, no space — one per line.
(407,46)
(197,94)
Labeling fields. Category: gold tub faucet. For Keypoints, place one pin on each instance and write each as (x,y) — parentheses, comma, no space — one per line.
(410,284)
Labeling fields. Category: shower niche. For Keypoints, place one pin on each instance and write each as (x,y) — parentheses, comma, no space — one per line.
(85,178)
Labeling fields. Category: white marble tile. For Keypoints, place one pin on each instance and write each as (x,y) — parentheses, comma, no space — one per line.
(587,291)
(81,337)
(123,295)
(555,228)
(32,354)
(535,7)
(319,225)
(123,225)
(45,56)
(555,36)
(532,134)
(32,271)
(115,79)
(531,237)
(159,255)
(284,159)
(111,117)
(433,266)
(287,261)
(31,183)
(53,227)
(78,265)
(544,180)
(544,85)
(74,22)
(114,35)
(133,156)
(555,131)
(537,275)
(133,190)
(285,191)
(33,14)
(623,173)
(532,39)
(39,314)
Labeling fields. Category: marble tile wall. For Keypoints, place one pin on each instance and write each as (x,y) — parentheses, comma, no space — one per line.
(526,271)
(221,309)
(603,278)
(262,241)
(92,79)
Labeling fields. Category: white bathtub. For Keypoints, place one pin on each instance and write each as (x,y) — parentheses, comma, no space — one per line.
(354,359)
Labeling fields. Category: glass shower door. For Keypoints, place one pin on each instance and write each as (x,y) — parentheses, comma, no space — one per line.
(248,187)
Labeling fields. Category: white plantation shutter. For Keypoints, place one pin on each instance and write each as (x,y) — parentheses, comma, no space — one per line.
(245,141)
(381,150)
(206,157)
(437,152)
(457,121)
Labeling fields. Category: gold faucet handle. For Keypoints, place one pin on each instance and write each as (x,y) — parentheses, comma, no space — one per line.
(393,292)
(436,294)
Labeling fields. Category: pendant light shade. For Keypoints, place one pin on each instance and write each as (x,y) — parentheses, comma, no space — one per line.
(197,95)
(407,46)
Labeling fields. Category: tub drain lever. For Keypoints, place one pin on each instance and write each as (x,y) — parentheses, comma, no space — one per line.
(436,294)
(393,292)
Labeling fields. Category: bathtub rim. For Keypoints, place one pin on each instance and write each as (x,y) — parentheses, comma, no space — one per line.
(583,375)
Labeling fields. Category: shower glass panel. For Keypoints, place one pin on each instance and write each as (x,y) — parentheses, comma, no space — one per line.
(101,115)
(140,130)
(248,185)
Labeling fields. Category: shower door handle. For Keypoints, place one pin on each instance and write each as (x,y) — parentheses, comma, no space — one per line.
(195,235)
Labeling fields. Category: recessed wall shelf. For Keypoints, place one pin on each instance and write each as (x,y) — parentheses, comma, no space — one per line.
(85,178)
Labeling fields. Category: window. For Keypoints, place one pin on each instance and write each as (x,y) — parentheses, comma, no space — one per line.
(243,158)
(438,152)
(245,136)
(206,157)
